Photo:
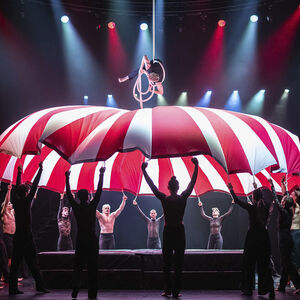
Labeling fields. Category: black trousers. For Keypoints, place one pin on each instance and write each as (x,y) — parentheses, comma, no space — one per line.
(3,260)
(215,241)
(107,241)
(257,250)
(287,266)
(64,243)
(173,251)
(296,248)
(86,253)
(24,247)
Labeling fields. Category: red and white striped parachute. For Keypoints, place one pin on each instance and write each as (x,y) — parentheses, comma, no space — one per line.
(239,142)
(123,173)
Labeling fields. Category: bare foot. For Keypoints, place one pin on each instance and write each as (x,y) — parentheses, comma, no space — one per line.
(122,79)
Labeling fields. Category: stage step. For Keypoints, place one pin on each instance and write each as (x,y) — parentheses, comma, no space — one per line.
(142,269)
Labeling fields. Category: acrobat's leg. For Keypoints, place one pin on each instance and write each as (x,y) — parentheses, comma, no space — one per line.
(129,76)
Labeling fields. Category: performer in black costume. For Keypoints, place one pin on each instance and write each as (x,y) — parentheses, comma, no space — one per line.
(154,72)
(257,247)
(215,240)
(286,243)
(153,223)
(64,227)
(23,244)
(87,248)
(174,234)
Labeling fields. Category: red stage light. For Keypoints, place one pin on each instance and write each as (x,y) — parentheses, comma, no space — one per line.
(111,25)
(221,23)
(98,27)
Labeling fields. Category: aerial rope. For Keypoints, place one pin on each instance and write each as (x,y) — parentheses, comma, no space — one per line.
(139,94)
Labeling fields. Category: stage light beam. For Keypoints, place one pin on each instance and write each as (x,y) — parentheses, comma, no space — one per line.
(161,100)
(221,23)
(205,100)
(233,102)
(256,104)
(182,100)
(111,25)
(110,101)
(254,18)
(85,100)
(144,26)
(64,19)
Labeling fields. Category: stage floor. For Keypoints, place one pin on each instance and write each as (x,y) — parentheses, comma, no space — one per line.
(27,287)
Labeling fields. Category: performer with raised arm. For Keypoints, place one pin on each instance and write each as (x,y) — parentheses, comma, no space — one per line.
(288,269)
(215,240)
(295,227)
(257,247)
(64,226)
(153,223)
(23,244)
(107,222)
(3,256)
(174,233)
(87,249)
(153,70)
(9,224)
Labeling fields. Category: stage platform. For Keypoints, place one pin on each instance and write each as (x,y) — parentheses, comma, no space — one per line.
(142,269)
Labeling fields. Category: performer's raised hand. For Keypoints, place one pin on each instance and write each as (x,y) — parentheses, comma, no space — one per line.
(194,161)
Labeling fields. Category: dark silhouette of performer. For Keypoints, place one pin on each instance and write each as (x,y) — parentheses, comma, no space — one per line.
(23,244)
(174,234)
(295,228)
(215,240)
(64,227)
(153,223)
(257,247)
(87,248)
(286,243)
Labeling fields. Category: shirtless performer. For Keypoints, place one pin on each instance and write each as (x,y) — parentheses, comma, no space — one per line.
(9,224)
(107,222)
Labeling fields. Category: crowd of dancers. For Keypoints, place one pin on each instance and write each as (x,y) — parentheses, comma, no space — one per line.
(17,244)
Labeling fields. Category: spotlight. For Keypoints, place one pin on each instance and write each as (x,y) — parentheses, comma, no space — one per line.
(254,18)
(85,100)
(286,91)
(221,23)
(111,25)
(144,26)
(110,101)
(64,19)
(235,91)
(209,92)
(262,91)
